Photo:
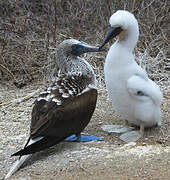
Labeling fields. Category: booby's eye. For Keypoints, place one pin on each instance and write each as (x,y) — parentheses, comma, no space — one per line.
(140,93)
(73,46)
(75,49)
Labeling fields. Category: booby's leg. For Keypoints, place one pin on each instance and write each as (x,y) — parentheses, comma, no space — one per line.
(126,122)
(142,127)
(133,136)
(81,138)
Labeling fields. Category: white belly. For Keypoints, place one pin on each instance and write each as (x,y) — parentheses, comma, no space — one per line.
(116,88)
(119,67)
(131,109)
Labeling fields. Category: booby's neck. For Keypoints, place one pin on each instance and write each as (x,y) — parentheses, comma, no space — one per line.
(129,38)
(121,52)
(65,63)
(72,65)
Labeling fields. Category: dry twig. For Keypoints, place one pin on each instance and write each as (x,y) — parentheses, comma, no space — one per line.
(20,100)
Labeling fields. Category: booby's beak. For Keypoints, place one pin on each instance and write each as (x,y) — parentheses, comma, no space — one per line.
(113,32)
(81,48)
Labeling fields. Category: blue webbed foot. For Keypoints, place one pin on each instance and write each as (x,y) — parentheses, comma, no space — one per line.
(81,138)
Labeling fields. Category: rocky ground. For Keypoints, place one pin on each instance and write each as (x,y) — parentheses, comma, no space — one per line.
(108,159)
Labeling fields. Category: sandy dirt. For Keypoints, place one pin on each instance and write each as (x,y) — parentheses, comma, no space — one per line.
(106,160)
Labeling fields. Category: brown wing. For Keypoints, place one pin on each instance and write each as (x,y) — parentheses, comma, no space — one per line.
(63,109)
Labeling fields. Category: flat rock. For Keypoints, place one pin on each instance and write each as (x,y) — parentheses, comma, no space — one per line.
(130,136)
(116,128)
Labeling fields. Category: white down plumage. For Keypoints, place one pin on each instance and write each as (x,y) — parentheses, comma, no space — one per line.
(136,97)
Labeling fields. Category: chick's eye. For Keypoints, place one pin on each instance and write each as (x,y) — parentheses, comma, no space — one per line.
(140,93)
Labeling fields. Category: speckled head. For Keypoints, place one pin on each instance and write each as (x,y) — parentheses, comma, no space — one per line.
(72,47)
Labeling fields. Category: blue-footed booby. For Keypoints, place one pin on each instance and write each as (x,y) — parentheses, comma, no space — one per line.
(134,96)
(66,107)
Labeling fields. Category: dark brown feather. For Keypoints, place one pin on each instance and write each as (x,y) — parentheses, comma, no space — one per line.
(63,109)
(71,117)
(55,122)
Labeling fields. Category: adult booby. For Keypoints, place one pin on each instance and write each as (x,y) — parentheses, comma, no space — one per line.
(66,107)
(136,97)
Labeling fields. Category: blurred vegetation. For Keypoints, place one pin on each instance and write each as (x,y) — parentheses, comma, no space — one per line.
(29,29)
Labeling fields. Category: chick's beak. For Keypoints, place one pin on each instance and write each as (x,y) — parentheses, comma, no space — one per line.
(113,32)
